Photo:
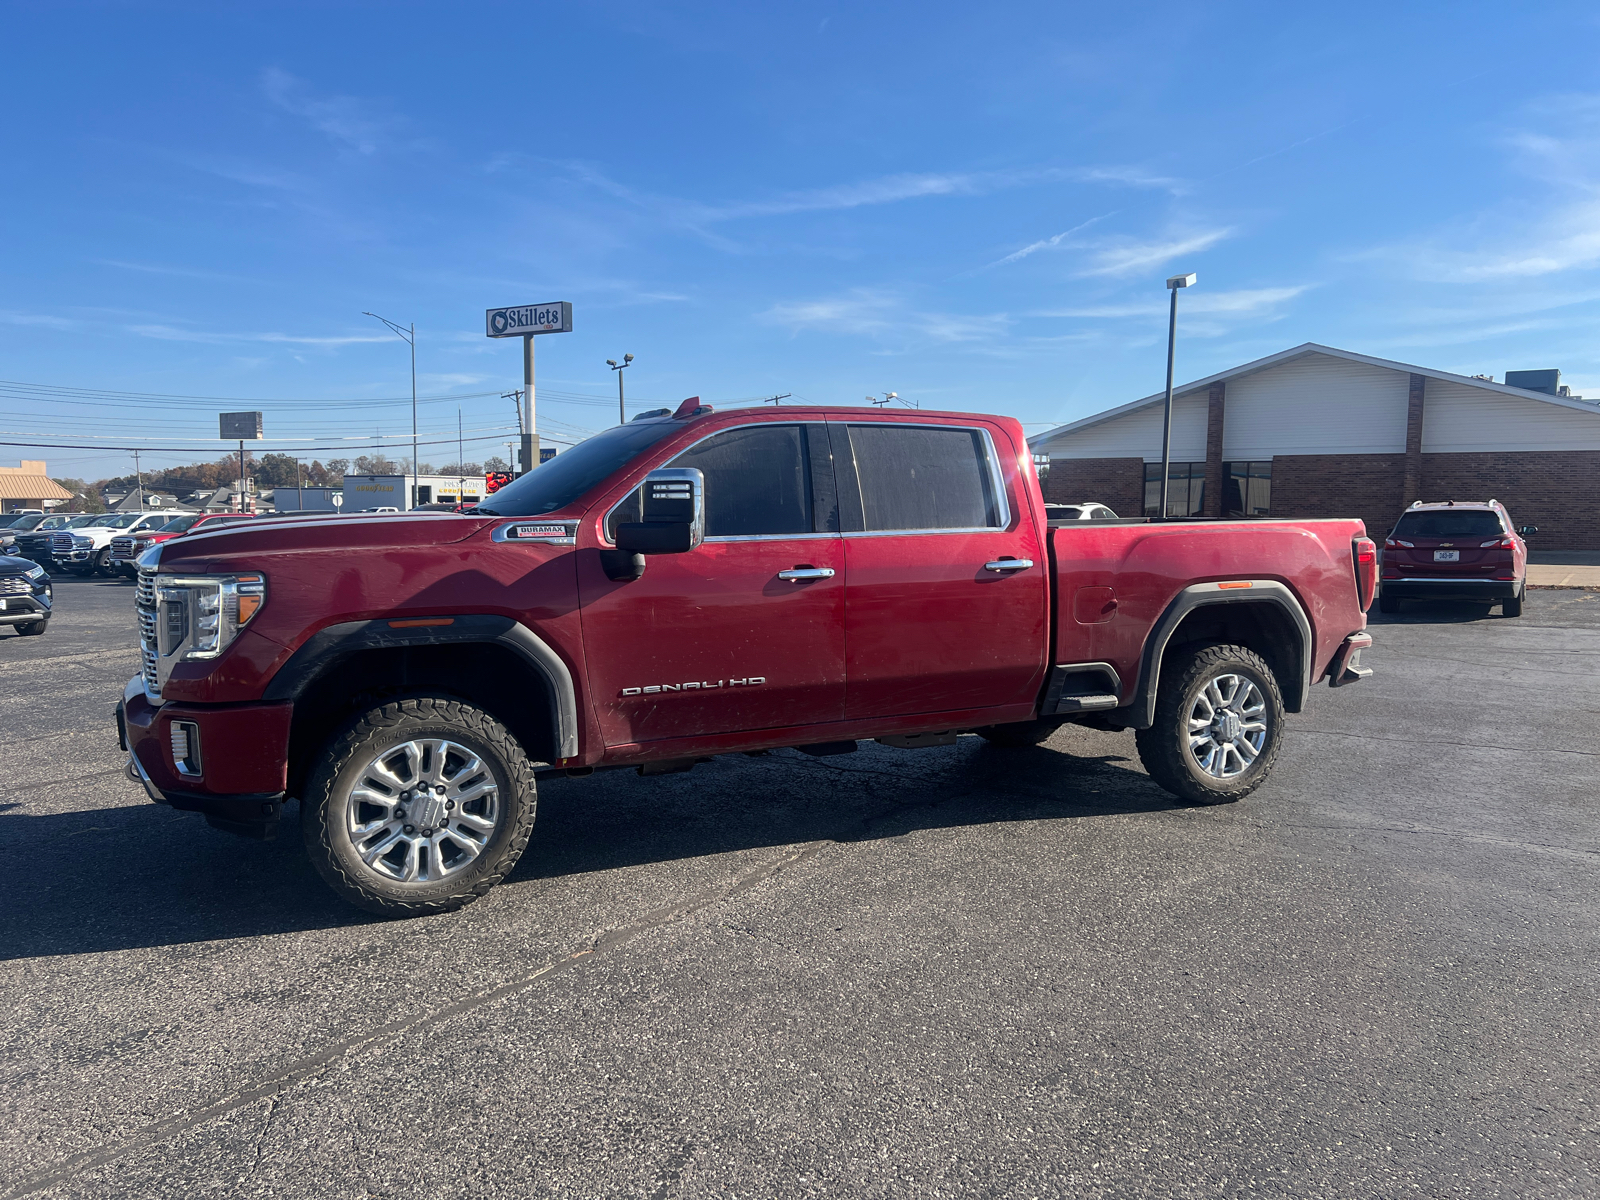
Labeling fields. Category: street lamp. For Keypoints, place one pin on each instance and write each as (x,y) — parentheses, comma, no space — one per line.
(409,336)
(619,368)
(1173,284)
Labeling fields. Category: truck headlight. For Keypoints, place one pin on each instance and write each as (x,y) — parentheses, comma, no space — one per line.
(201,614)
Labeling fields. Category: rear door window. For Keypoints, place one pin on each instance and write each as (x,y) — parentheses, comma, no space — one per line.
(919,477)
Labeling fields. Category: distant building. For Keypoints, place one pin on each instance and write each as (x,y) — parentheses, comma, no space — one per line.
(30,486)
(1320,432)
(391,491)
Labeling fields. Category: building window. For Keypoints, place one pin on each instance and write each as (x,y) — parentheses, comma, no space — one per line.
(1247,489)
(1041,466)
(1186,489)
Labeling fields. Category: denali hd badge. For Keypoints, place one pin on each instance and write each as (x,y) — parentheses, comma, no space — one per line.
(656,688)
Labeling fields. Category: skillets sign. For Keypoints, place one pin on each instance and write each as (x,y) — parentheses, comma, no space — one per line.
(527,319)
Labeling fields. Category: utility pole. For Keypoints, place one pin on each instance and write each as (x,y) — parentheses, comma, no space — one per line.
(242,488)
(410,337)
(777,401)
(139,478)
(627,361)
(461,466)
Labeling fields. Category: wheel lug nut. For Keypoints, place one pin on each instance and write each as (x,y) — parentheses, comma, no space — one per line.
(449,804)
(411,828)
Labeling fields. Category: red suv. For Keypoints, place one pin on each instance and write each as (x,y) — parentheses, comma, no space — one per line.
(1457,550)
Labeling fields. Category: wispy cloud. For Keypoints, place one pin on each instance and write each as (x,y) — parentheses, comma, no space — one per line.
(884,315)
(1559,148)
(1051,243)
(172,333)
(1133,177)
(163,269)
(40,321)
(1125,255)
(347,121)
(1247,301)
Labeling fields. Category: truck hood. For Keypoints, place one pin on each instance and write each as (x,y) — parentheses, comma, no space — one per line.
(205,550)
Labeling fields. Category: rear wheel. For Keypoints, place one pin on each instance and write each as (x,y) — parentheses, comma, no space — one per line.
(1388,604)
(1219,721)
(1018,734)
(419,806)
(1513,606)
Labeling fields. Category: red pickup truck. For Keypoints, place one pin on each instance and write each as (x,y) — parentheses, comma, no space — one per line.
(700,583)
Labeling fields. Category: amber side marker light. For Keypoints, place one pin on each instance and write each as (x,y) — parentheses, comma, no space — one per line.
(1238,584)
(422,623)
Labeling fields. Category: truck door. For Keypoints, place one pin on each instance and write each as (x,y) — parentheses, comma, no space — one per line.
(746,631)
(942,613)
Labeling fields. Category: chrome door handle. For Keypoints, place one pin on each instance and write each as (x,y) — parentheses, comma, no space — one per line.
(801,574)
(1009,564)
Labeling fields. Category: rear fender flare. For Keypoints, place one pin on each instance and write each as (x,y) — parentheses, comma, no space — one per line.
(1140,713)
(327,646)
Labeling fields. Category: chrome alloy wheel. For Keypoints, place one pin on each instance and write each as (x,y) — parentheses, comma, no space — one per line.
(423,810)
(1227,725)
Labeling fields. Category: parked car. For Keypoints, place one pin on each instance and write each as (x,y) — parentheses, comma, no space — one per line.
(126,547)
(1456,550)
(32,533)
(86,549)
(1079,512)
(24,595)
(696,584)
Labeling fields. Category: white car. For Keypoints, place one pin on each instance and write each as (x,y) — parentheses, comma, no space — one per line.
(1079,512)
(87,548)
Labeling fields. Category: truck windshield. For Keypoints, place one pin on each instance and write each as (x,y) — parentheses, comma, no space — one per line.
(570,474)
(1441,523)
(180,524)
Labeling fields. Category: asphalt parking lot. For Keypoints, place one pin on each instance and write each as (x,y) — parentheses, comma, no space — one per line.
(950,972)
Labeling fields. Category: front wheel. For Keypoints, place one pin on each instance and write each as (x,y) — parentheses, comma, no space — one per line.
(419,806)
(31,628)
(101,564)
(1219,721)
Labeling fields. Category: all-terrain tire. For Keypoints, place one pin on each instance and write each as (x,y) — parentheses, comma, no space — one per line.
(31,628)
(1165,748)
(101,563)
(346,762)
(1018,734)
(1513,607)
(1388,604)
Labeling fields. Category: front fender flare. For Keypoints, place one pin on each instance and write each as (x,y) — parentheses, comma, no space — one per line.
(327,646)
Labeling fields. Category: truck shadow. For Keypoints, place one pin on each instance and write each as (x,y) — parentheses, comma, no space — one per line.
(1436,612)
(144,876)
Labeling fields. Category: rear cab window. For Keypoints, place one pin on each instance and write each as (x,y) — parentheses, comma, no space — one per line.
(917,478)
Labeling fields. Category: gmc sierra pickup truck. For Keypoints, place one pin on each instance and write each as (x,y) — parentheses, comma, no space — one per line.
(700,583)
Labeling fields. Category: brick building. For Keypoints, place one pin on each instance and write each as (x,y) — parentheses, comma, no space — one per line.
(1320,432)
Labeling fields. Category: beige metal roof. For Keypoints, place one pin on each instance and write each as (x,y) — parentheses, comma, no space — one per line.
(17,486)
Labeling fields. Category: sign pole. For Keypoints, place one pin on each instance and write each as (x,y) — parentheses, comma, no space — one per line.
(530,436)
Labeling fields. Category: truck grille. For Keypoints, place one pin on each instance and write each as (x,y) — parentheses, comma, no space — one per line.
(15,585)
(144,600)
(122,547)
(60,543)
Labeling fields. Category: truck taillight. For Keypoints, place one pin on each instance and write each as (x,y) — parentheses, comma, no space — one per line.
(1366,555)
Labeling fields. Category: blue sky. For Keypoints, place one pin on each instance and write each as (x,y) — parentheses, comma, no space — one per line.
(972,206)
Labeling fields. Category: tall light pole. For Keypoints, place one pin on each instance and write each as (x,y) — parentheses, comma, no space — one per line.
(1173,284)
(409,336)
(619,368)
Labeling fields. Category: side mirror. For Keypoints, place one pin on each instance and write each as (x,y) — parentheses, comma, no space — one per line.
(673,512)
(1526,530)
